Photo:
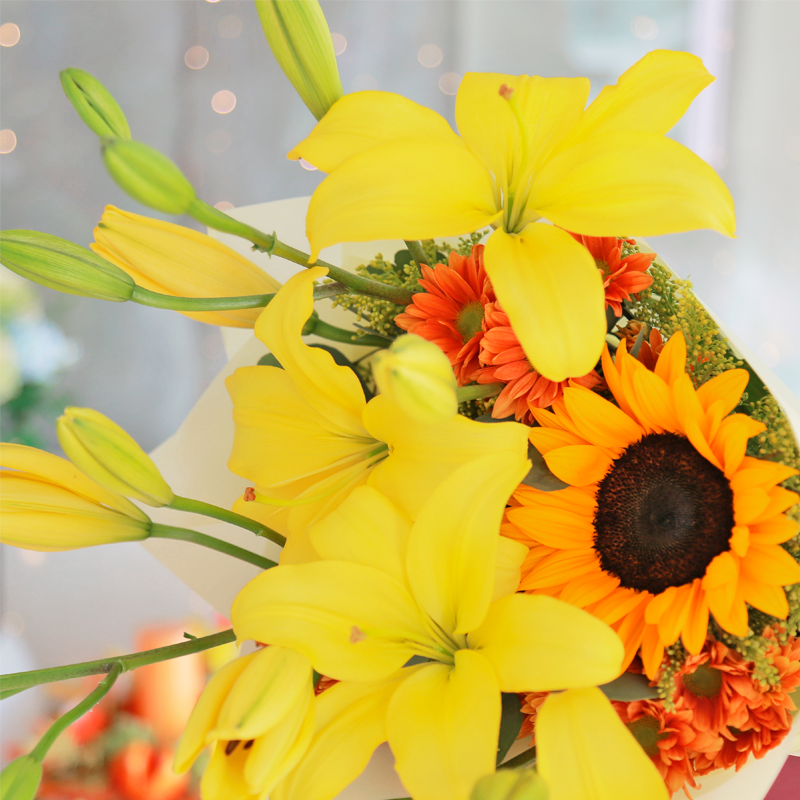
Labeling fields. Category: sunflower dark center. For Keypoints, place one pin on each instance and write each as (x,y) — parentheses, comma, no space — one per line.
(663,513)
(470,320)
(647,731)
(705,681)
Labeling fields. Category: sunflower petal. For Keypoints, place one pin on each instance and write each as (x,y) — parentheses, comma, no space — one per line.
(579,465)
(443,725)
(548,282)
(727,387)
(363,120)
(409,189)
(600,422)
(520,639)
(585,752)
(696,628)
(632,181)
(671,363)
(770,562)
(765,597)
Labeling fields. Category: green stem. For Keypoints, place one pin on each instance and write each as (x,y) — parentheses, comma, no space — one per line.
(18,681)
(417,252)
(158,531)
(215,512)
(350,337)
(64,721)
(478,391)
(526,758)
(155,300)
(214,218)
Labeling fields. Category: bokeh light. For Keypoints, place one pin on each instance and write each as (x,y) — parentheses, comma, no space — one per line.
(339,43)
(644,28)
(9,34)
(196,57)
(449,82)
(769,354)
(229,27)
(305,165)
(725,262)
(218,141)
(429,56)
(8,140)
(223,102)
(224,205)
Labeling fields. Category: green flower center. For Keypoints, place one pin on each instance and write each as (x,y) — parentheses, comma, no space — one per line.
(705,681)
(470,320)
(646,731)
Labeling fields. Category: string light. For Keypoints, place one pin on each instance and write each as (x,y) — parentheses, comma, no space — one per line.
(449,82)
(196,57)
(223,102)
(8,140)
(430,56)
(339,43)
(9,34)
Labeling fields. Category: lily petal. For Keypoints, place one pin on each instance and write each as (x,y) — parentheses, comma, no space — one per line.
(638,182)
(443,725)
(522,637)
(353,622)
(452,550)
(585,752)
(363,120)
(410,189)
(548,282)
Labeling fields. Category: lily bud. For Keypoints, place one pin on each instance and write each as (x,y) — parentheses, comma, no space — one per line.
(418,376)
(20,779)
(178,261)
(61,265)
(47,503)
(148,176)
(109,455)
(300,40)
(510,785)
(94,103)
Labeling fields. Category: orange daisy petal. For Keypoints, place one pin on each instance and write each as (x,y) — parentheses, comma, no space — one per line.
(579,465)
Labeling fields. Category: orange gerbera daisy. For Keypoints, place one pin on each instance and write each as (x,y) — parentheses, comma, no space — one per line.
(665,518)
(450,311)
(505,362)
(622,276)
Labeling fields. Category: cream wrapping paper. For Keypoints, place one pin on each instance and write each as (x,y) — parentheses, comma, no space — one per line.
(194,459)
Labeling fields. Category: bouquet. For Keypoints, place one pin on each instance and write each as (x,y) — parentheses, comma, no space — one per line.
(530,491)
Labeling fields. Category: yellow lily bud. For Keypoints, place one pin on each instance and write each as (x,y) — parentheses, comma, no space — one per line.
(20,779)
(61,265)
(259,713)
(94,103)
(109,455)
(47,503)
(181,262)
(510,785)
(300,40)
(148,176)
(418,376)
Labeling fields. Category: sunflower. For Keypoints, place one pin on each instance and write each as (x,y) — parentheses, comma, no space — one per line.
(665,518)
(450,311)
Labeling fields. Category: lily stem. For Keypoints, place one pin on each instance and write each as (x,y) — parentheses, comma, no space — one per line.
(478,391)
(335,334)
(158,531)
(19,681)
(269,243)
(215,512)
(64,721)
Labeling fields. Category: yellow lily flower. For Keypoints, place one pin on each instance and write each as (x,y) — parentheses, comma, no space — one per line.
(258,712)
(181,262)
(387,590)
(47,503)
(528,152)
(306,436)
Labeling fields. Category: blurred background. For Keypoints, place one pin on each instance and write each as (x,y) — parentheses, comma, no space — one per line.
(197,81)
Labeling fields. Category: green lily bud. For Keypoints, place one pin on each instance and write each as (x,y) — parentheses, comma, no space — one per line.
(148,176)
(510,785)
(94,103)
(300,40)
(109,456)
(61,265)
(20,779)
(418,376)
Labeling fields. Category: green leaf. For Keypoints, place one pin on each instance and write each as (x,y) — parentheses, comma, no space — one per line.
(629,687)
(510,724)
(540,476)
(402,258)
(269,360)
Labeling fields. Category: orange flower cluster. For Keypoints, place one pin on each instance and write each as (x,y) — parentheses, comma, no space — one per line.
(458,311)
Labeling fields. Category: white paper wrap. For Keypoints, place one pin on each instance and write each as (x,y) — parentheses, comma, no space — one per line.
(194,460)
